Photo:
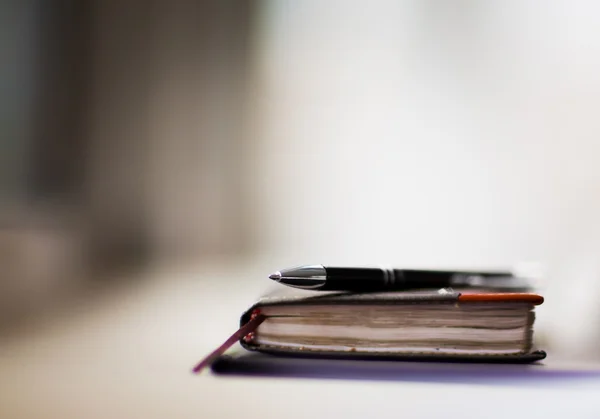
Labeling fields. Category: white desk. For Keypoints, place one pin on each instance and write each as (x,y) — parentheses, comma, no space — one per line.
(127,353)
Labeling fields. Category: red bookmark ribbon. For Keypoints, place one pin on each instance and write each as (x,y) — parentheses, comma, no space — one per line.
(247,329)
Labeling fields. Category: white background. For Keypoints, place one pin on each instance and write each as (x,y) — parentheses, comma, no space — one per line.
(434,134)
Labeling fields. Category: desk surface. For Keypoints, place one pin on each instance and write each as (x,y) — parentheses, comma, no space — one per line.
(127,353)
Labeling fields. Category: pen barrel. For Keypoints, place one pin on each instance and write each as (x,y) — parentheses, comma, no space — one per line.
(381,279)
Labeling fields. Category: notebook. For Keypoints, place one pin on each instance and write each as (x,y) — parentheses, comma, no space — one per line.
(443,324)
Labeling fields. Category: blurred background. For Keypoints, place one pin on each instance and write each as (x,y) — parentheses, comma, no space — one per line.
(257,135)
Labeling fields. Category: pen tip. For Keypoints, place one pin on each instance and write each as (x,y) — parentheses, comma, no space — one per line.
(275,276)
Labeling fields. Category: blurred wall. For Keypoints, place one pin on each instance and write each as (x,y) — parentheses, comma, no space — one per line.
(17,81)
(123,139)
(41,147)
(167,126)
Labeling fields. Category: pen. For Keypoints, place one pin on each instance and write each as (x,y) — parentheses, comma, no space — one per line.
(321,278)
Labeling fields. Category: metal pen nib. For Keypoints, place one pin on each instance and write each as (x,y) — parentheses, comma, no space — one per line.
(305,277)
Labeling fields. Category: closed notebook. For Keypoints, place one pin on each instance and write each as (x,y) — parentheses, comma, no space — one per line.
(441,324)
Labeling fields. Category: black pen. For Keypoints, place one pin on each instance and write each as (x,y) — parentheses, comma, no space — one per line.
(318,277)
